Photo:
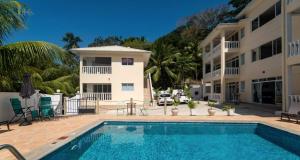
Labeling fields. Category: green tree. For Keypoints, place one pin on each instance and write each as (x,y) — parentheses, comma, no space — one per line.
(238,5)
(108,41)
(21,57)
(137,42)
(161,64)
(71,41)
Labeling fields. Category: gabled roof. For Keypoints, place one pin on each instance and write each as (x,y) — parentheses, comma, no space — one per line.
(109,49)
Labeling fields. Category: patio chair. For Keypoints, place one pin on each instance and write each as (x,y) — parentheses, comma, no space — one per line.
(46,110)
(294,110)
(18,110)
(7,124)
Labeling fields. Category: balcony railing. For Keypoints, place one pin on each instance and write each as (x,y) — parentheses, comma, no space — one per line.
(294,48)
(232,44)
(97,96)
(232,71)
(294,99)
(216,73)
(216,49)
(96,70)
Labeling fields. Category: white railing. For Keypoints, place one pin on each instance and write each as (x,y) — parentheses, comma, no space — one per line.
(97,96)
(294,48)
(216,73)
(207,75)
(294,99)
(232,70)
(232,44)
(96,70)
(216,49)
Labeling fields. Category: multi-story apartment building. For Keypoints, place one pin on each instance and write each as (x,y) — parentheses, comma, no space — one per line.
(255,59)
(112,74)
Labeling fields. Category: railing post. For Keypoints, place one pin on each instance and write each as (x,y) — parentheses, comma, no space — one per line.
(165,106)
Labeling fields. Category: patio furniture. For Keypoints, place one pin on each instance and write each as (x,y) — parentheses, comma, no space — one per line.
(131,106)
(293,112)
(7,124)
(19,111)
(46,110)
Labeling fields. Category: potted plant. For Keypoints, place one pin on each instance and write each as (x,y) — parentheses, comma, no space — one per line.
(175,109)
(191,105)
(229,108)
(211,110)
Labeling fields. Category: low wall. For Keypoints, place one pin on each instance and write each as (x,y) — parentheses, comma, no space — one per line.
(6,111)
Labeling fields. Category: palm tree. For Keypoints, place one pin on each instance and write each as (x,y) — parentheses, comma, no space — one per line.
(71,41)
(185,65)
(16,55)
(161,64)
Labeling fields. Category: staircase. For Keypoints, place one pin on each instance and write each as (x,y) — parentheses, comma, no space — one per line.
(148,89)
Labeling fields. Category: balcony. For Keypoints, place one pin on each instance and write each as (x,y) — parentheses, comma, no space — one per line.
(97,96)
(97,70)
(232,44)
(232,71)
(294,48)
(216,73)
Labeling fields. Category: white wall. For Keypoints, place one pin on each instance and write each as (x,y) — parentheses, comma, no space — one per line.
(6,111)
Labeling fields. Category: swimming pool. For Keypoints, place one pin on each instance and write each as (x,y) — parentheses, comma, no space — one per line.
(183,140)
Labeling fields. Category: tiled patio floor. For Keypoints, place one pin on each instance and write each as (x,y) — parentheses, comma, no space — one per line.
(30,138)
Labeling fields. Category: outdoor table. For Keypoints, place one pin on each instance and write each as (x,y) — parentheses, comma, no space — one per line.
(131,106)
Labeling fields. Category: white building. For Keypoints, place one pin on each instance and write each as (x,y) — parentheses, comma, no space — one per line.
(113,74)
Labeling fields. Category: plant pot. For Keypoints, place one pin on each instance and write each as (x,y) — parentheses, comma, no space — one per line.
(174,111)
(211,112)
(230,112)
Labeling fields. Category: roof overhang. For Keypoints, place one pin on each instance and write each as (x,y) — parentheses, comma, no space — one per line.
(217,30)
(114,50)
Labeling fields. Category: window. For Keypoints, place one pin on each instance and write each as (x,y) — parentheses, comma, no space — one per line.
(277,48)
(127,61)
(266,50)
(102,88)
(234,62)
(242,32)
(217,66)
(207,68)
(96,61)
(278,8)
(255,24)
(254,55)
(267,16)
(242,86)
(84,87)
(242,59)
(217,88)
(127,87)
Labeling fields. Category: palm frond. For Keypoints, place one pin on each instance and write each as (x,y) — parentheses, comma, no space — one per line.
(14,56)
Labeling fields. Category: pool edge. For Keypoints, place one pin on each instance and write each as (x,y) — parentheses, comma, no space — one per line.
(47,149)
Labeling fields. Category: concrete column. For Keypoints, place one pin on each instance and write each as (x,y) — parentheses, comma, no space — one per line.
(80,72)
(222,67)
(286,75)
(211,88)
(211,65)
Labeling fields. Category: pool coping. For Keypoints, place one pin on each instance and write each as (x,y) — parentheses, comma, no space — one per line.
(47,149)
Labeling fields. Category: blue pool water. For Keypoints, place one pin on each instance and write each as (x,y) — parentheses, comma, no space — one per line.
(181,141)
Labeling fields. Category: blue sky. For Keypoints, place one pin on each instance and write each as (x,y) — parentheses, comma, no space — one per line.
(51,19)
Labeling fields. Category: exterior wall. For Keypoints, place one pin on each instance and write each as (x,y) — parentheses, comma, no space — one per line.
(120,74)
(265,68)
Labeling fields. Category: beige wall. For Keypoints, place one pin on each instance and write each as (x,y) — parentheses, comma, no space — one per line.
(120,74)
